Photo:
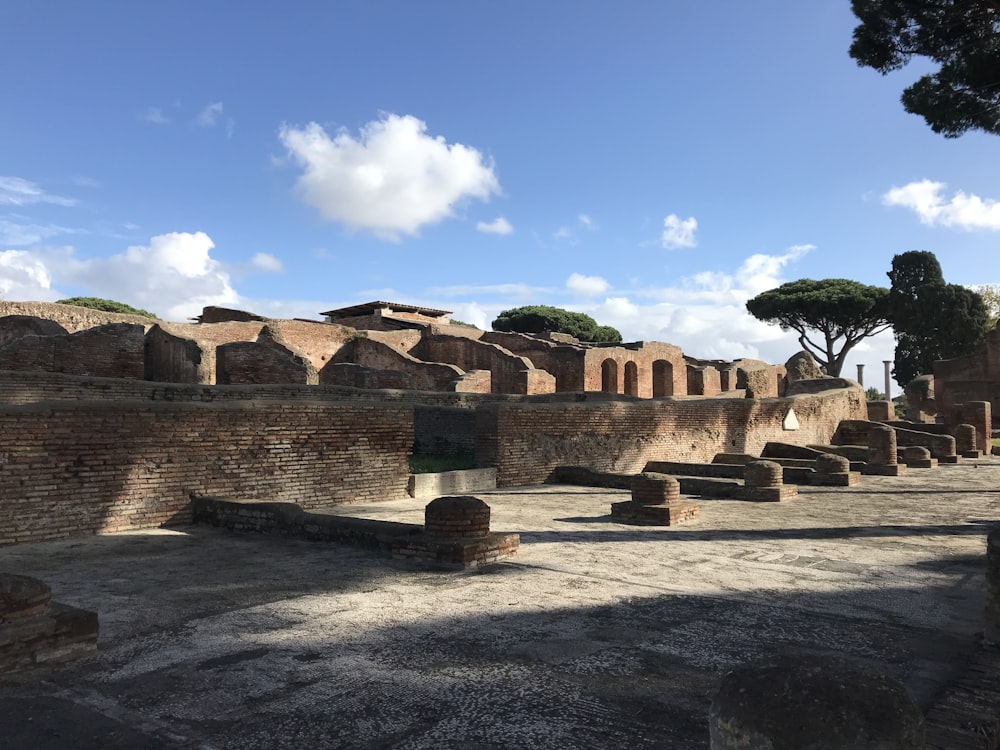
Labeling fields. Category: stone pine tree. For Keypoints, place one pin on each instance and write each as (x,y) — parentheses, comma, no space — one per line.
(960,37)
(544,318)
(839,312)
(932,320)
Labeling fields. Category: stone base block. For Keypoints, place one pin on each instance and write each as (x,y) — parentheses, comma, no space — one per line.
(847,479)
(884,470)
(922,463)
(671,514)
(457,553)
(971,454)
(949,459)
(451,482)
(62,633)
(768,494)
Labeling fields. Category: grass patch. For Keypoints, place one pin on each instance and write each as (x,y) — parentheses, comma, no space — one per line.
(436,463)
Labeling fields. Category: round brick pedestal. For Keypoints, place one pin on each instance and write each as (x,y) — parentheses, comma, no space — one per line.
(458,516)
(22,597)
(763,474)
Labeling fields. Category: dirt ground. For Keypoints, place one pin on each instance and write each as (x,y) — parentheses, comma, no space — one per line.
(596,635)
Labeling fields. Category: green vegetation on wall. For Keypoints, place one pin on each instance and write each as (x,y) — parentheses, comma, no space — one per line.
(106,305)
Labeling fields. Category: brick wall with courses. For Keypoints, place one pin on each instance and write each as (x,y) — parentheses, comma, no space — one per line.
(86,467)
(525,442)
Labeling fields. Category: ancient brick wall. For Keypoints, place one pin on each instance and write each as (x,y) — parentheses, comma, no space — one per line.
(660,370)
(424,375)
(443,429)
(172,359)
(114,350)
(71,317)
(471,354)
(362,376)
(246,362)
(566,362)
(975,377)
(87,467)
(317,342)
(13,327)
(527,441)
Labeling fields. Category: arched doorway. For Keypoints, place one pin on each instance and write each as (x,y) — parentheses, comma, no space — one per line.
(663,378)
(631,379)
(609,376)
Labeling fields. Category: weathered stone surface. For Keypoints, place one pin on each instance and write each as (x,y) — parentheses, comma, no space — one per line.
(817,702)
(829,463)
(965,441)
(802,366)
(763,474)
(22,597)
(819,385)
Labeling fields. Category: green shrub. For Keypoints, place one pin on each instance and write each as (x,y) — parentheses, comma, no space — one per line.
(106,305)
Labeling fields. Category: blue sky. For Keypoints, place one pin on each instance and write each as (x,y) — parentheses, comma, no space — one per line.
(653,164)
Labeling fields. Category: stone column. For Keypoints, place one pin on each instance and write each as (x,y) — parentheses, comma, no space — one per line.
(888,378)
(861,375)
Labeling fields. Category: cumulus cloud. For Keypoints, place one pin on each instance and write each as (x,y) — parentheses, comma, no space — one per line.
(926,199)
(16,191)
(173,276)
(587,222)
(391,180)
(587,285)
(562,233)
(498,226)
(25,276)
(267,262)
(678,232)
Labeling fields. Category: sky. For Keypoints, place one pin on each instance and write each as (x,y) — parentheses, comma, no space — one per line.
(651,163)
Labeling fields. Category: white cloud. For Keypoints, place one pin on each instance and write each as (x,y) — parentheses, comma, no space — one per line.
(392,180)
(174,276)
(587,285)
(510,290)
(16,191)
(17,234)
(155,116)
(678,232)
(267,262)
(25,276)
(587,222)
(963,211)
(498,226)
(562,233)
(210,115)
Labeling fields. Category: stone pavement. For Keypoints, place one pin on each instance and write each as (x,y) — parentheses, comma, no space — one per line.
(596,635)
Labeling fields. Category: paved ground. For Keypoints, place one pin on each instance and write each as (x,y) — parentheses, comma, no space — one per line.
(596,635)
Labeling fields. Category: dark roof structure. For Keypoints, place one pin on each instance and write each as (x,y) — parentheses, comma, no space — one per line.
(369,308)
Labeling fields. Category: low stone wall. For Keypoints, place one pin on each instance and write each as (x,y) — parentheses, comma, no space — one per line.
(526,442)
(140,462)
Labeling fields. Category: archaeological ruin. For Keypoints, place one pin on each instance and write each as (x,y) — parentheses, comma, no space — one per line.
(610,484)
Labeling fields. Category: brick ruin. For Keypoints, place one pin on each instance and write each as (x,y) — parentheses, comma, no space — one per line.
(378,345)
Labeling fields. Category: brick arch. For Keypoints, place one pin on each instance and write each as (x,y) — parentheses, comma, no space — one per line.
(663,378)
(631,379)
(609,376)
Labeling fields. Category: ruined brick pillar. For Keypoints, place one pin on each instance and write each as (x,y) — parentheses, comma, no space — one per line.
(763,474)
(816,702)
(882,446)
(829,463)
(965,441)
(980,415)
(918,457)
(656,500)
